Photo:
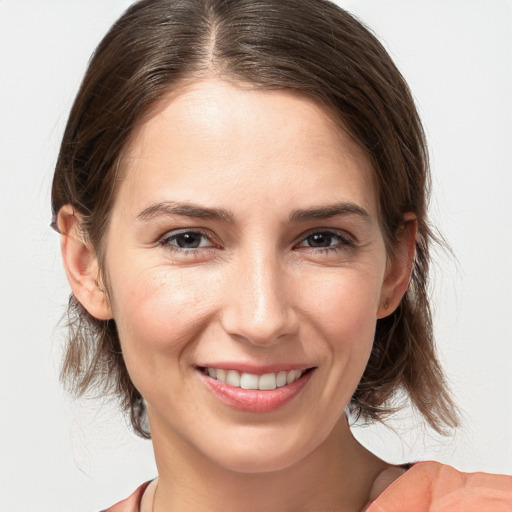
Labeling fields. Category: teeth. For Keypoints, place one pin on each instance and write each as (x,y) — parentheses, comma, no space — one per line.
(293,375)
(267,381)
(249,381)
(245,380)
(281,379)
(233,378)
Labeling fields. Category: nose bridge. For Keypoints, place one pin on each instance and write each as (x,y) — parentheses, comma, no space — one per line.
(259,308)
(264,286)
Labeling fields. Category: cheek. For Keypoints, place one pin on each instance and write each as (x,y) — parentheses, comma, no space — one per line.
(347,300)
(344,311)
(158,312)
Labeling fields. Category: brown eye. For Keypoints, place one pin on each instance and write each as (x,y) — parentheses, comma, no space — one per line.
(320,239)
(326,242)
(187,240)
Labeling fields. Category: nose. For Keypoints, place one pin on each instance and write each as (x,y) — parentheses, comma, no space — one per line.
(259,301)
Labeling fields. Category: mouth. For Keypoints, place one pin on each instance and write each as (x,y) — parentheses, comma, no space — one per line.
(246,380)
(255,392)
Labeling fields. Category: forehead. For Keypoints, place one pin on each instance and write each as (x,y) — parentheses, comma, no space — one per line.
(211,136)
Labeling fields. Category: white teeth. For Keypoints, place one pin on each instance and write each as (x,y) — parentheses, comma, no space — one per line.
(293,375)
(249,381)
(245,380)
(281,379)
(233,378)
(268,381)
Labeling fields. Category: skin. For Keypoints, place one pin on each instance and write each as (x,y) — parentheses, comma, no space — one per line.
(256,290)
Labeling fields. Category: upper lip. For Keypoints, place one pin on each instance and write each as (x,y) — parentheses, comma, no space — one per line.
(255,368)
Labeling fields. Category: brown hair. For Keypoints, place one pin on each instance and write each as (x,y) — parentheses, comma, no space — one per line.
(313,47)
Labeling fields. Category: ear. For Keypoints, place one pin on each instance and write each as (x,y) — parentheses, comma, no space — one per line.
(399,267)
(81,265)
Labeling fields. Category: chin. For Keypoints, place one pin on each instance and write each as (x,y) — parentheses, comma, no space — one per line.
(257,461)
(263,452)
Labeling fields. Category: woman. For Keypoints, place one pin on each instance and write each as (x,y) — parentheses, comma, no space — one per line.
(241,192)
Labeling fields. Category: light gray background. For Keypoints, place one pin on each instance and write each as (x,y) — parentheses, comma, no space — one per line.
(57,455)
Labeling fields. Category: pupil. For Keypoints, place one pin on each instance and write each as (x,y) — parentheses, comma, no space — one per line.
(188,240)
(319,240)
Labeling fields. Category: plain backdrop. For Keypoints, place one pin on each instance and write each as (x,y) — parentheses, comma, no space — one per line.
(58,455)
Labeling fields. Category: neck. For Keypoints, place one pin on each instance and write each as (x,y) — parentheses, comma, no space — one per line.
(337,475)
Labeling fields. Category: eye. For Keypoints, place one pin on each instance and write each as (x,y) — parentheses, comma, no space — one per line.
(186,240)
(329,240)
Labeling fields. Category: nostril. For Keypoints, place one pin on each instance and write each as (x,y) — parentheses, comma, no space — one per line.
(259,327)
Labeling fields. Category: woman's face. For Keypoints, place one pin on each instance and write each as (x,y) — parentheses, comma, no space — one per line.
(244,241)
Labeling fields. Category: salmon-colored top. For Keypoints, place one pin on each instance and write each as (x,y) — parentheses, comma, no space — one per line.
(426,487)
(435,487)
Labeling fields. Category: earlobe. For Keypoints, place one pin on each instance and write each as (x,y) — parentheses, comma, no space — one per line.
(81,265)
(399,267)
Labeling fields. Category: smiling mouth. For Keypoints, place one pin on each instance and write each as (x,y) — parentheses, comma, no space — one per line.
(245,380)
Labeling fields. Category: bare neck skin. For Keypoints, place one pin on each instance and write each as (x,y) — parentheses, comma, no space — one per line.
(338,476)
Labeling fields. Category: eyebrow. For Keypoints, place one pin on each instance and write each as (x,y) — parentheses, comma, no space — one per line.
(186,210)
(328,211)
(166,208)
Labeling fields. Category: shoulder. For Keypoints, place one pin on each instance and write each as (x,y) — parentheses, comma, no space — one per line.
(441,488)
(132,503)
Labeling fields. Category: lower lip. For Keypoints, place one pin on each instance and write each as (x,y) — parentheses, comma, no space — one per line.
(255,400)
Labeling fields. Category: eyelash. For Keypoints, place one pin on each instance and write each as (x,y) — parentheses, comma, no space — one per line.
(167,240)
(344,241)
